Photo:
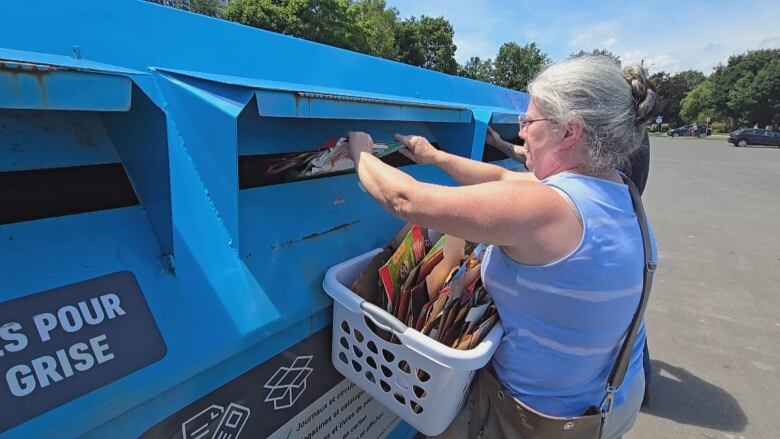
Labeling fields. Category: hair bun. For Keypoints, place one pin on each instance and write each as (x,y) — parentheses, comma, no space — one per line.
(643,92)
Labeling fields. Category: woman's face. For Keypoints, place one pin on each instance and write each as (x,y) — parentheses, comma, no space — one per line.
(541,137)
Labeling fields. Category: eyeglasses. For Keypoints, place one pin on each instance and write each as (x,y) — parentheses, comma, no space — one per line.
(524,121)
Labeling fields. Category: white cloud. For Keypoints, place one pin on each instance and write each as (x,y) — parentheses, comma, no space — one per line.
(652,62)
(474,44)
(596,36)
(769,43)
(662,61)
(481,26)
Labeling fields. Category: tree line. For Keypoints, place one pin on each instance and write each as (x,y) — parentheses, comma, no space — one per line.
(743,92)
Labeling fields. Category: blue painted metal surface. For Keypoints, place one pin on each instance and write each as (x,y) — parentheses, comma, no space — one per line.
(44,87)
(232,277)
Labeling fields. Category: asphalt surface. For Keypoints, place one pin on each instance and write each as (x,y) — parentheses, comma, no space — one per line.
(714,312)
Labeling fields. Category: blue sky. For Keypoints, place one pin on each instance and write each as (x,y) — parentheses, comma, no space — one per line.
(669,35)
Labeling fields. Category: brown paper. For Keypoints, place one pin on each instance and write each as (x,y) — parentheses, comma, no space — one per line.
(454,250)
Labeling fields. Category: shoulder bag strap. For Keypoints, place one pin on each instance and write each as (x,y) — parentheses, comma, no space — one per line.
(621,364)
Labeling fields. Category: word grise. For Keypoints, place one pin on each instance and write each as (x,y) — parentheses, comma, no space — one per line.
(64,363)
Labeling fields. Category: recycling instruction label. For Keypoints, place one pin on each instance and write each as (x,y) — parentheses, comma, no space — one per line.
(296,394)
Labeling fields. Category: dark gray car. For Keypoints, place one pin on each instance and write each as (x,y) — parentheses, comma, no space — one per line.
(754,136)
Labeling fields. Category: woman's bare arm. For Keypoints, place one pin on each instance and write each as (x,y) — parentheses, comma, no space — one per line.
(524,215)
(464,171)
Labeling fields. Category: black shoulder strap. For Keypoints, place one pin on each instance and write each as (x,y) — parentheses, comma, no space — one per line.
(621,364)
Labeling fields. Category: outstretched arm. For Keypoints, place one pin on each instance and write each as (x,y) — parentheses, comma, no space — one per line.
(464,171)
(516,152)
(491,212)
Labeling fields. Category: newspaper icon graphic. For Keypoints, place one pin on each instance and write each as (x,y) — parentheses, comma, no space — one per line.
(288,383)
(229,423)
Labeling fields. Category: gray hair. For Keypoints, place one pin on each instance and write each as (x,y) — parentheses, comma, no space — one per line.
(613,106)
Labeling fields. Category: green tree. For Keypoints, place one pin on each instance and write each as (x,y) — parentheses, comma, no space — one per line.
(479,69)
(741,92)
(427,43)
(211,8)
(741,98)
(766,87)
(602,52)
(272,15)
(697,105)
(671,90)
(324,21)
(516,65)
(377,23)
(328,22)
(691,78)
(657,78)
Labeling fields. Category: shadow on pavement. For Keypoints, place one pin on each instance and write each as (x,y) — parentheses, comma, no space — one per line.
(690,400)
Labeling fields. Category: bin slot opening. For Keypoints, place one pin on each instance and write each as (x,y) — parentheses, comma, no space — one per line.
(43,193)
(254,170)
(274,150)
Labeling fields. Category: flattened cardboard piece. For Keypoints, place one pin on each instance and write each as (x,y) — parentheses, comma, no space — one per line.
(462,313)
(463,342)
(438,304)
(461,319)
(402,307)
(432,258)
(424,314)
(454,250)
(458,282)
(451,309)
(367,284)
(471,275)
(483,330)
(476,312)
(418,299)
(396,270)
(452,333)
(468,295)
(462,280)
(430,325)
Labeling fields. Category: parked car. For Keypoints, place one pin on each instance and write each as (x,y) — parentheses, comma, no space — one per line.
(754,136)
(686,131)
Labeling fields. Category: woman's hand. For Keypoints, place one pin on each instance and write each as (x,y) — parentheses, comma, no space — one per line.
(493,139)
(515,151)
(418,149)
(359,142)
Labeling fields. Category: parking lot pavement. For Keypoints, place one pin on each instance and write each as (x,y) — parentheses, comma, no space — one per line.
(714,313)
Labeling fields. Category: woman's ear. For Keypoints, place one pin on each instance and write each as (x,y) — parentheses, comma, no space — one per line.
(572,136)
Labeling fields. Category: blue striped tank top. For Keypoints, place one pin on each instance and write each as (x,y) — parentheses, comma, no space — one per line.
(564,321)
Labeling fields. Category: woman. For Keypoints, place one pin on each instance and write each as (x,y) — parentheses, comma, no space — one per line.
(565,262)
(637,169)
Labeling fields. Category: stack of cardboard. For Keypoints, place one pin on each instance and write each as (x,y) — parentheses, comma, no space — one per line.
(431,282)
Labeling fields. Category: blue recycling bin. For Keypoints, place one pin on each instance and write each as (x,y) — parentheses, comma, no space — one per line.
(153,281)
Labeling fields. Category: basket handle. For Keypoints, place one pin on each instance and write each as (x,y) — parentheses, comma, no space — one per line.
(382,318)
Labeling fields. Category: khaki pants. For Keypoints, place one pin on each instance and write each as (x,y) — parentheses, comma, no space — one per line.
(619,420)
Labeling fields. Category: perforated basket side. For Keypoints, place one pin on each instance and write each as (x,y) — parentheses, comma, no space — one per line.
(424,393)
(420,380)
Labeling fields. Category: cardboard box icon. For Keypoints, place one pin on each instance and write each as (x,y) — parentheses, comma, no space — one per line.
(288,383)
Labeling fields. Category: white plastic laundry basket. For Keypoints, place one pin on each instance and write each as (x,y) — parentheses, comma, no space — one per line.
(421,380)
